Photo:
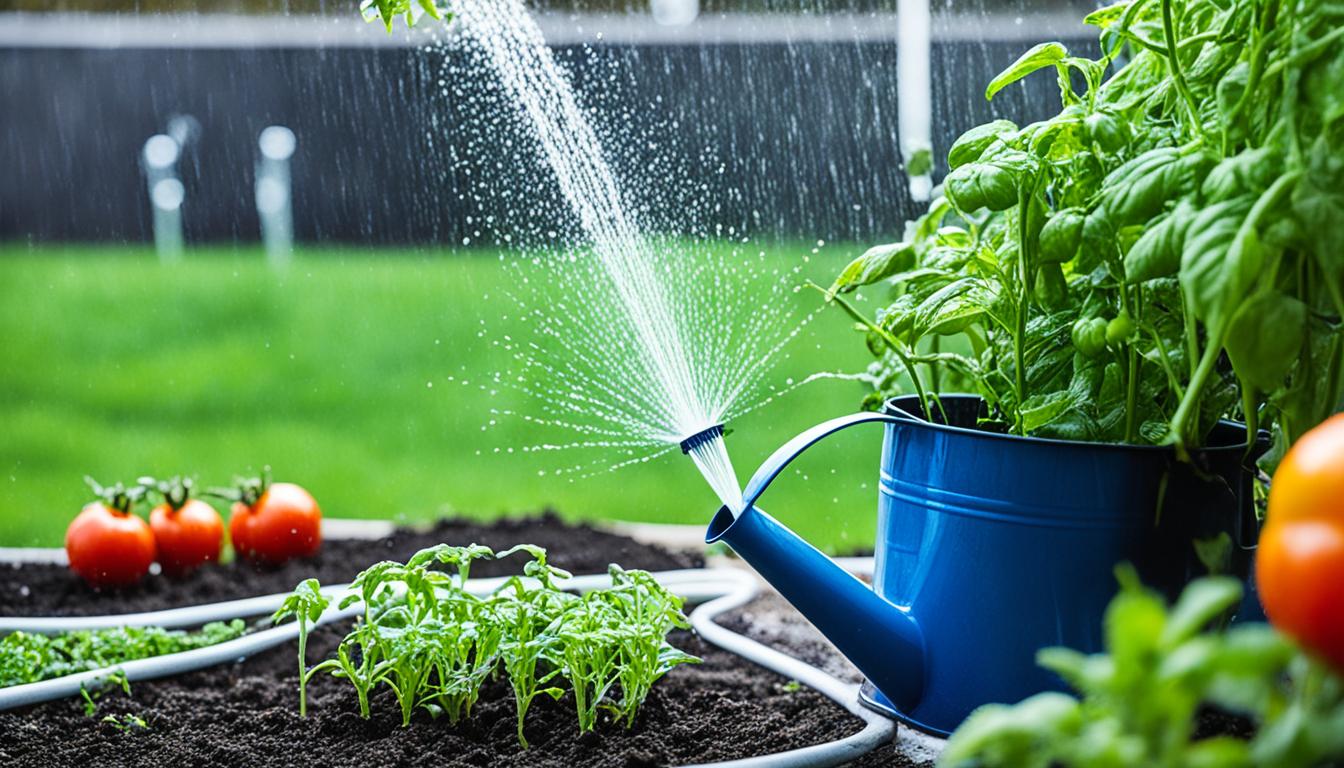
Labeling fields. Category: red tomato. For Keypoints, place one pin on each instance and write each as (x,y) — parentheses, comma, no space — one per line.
(187,536)
(1299,565)
(108,547)
(284,522)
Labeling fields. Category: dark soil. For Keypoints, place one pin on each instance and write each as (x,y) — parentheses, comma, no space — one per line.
(247,714)
(52,590)
(771,621)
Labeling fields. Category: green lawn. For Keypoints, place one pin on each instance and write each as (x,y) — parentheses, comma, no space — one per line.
(345,376)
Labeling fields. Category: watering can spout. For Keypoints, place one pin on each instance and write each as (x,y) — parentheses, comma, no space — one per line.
(881,639)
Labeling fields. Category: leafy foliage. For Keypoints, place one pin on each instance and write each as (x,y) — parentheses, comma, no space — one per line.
(28,658)
(1164,252)
(1139,700)
(412,11)
(433,644)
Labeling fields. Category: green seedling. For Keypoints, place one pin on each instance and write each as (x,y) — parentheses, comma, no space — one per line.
(433,643)
(126,723)
(116,678)
(306,605)
(1137,703)
(28,658)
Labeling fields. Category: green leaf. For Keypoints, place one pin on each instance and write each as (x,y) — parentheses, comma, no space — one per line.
(1106,16)
(1318,202)
(1213,283)
(920,162)
(1039,410)
(997,734)
(1218,752)
(1201,602)
(1266,338)
(1137,191)
(1158,252)
(972,144)
(876,264)
(1040,56)
(950,309)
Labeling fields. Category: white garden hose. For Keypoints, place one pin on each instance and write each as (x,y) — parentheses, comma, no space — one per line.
(720,590)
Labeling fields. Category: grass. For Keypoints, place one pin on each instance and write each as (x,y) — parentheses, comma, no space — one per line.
(345,375)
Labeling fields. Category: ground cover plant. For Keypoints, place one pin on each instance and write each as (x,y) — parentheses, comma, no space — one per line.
(27,657)
(1166,251)
(1138,702)
(434,644)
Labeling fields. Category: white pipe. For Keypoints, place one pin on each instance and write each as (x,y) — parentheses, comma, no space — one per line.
(692,580)
(877,730)
(914,84)
(723,588)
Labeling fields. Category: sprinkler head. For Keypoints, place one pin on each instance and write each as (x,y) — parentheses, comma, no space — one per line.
(700,438)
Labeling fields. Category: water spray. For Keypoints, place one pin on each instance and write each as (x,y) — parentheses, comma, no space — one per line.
(710,454)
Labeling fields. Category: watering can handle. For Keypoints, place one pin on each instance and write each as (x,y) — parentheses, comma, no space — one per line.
(789,451)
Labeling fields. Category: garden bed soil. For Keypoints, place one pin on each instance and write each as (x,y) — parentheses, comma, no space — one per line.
(246,713)
(41,589)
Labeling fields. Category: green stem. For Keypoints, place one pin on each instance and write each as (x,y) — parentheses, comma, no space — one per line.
(1190,403)
(1132,396)
(1306,53)
(1250,410)
(1191,335)
(1177,71)
(1164,360)
(1258,53)
(1024,198)
(892,344)
(303,663)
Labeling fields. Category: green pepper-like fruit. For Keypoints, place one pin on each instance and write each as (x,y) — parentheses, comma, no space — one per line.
(1089,336)
(1061,236)
(1120,329)
(1107,133)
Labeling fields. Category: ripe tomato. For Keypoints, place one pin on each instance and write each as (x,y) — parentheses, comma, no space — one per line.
(187,536)
(275,522)
(107,545)
(187,531)
(1300,561)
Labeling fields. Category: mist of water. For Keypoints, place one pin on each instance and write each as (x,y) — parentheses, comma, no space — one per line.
(646,341)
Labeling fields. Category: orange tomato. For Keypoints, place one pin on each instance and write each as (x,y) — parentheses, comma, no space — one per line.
(1300,560)
(283,522)
(187,536)
(109,547)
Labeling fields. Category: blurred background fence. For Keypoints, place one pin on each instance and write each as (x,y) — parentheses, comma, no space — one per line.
(787,119)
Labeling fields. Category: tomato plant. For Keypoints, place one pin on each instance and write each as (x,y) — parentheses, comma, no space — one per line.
(1166,251)
(1138,702)
(1300,560)
(108,546)
(272,522)
(433,643)
(187,531)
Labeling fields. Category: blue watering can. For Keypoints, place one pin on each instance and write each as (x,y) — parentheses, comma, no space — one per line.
(991,546)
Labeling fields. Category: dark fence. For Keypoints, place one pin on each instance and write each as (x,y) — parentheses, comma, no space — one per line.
(410,145)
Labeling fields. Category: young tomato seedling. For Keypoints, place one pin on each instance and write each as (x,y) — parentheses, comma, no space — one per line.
(433,643)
